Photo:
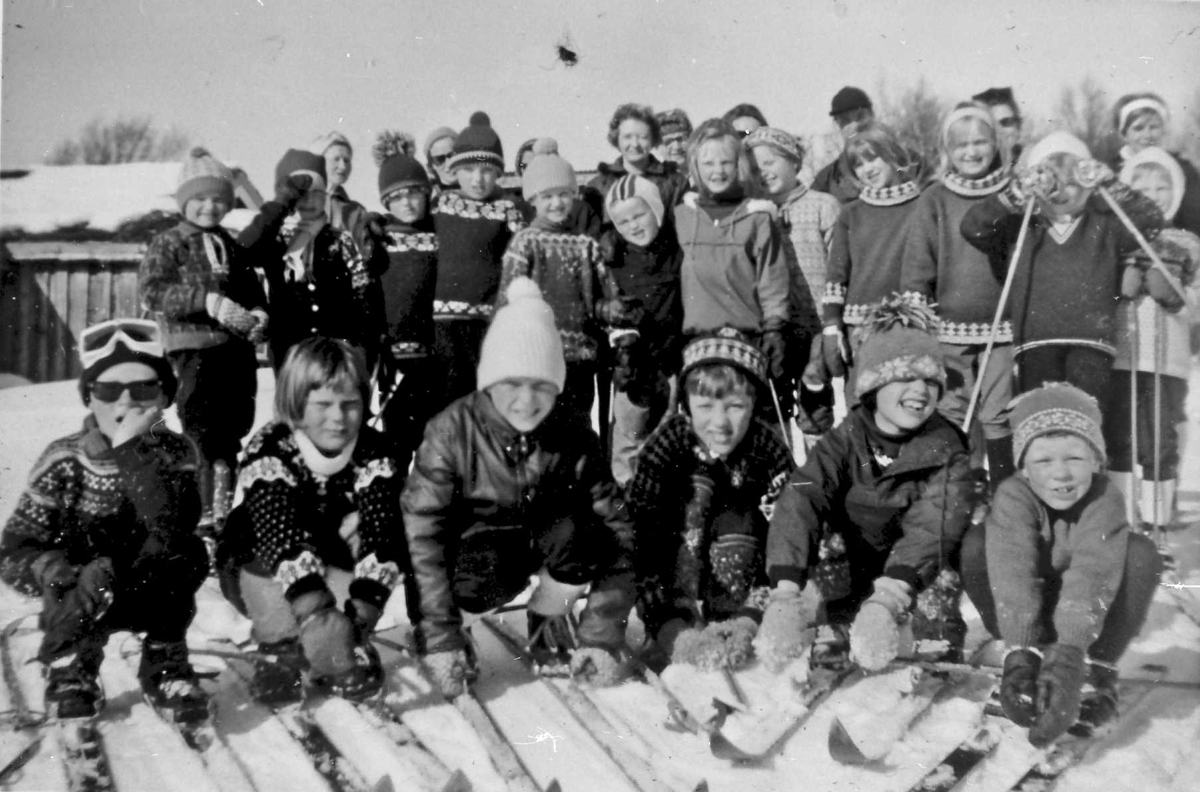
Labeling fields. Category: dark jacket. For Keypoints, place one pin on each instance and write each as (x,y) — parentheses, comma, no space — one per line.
(667,177)
(905,520)
(477,481)
(838,180)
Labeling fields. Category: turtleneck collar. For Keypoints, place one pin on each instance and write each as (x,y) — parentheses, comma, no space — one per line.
(890,196)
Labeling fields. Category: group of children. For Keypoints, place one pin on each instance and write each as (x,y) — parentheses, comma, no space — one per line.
(483,323)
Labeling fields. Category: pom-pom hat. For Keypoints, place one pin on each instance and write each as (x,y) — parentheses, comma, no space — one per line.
(399,172)
(117,341)
(896,343)
(202,172)
(1055,407)
(727,346)
(547,171)
(478,143)
(634,186)
(522,340)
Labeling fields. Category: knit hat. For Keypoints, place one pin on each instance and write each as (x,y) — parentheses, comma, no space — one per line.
(1055,143)
(847,99)
(1160,157)
(783,142)
(671,122)
(334,138)
(1127,105)
(304,163)
(117,341)
(202,172)
(547,170)
(436,135)
(1055,407)
(478,143)
(522,340)
(634,186)
(398,172)
(727,346)
(897,343)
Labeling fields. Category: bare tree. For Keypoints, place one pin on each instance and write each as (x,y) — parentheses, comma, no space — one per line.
(916,114)
(1084,110)
(131,139)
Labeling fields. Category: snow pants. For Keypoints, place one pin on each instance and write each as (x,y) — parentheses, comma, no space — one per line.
(456,343)
(409,406)
(1086,368)
(1118,429)
(215,402)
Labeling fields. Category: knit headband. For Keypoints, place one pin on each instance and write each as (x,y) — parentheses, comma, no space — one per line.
(980,114)
(1145,103)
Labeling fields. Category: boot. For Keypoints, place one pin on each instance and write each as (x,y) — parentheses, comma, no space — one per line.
(551,641)
(169,683)
(279,681)
(73,684)
(999,461)
(1124,485)
(938,626)
(1164,493)
(361,682)
(1100,697)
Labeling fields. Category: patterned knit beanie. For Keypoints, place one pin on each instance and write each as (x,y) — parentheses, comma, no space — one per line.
(1157,156)
(847,99)
(334,138)
(202,172)
(109,337)
(522,340)
(398,172)
(782,142)
(729,347)
(897,343)
(1055,407)
(478,143)
(547,170)
(299,162)
(671,122)
(634,186)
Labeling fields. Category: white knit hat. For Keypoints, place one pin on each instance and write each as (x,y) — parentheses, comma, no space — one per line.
(1055,143)
(522,340)
(1160,157)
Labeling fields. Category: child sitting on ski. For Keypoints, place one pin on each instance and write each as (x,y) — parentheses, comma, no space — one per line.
(1055,572)
(505,487)
(702,493)
(105,531)
(872,521)
(316,523)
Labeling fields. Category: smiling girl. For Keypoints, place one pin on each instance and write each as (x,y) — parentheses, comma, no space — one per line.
(1141,120)
(634,132)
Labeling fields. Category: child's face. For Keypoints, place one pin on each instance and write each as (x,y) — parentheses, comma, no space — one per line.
(971,148)
(778,172)
(408,205)
(206,209)
(1155,185)
(721,423)
(476,180)
(523,401)
(332,417)
(674,148)
(874,171)
(554,205)
(1060,469)
(903,406)
(136,415)
(1144,131)
(1068,199)
(716,165)
(633,141)
(337,164)
(439,157)
(634,221)
(311,205)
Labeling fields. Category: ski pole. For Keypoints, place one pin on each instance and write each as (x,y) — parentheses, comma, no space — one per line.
(783,427)
(1155,261)
(977,388)
(1156,486)
(1131,508)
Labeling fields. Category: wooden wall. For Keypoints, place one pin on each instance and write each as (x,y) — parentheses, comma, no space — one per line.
(50,291)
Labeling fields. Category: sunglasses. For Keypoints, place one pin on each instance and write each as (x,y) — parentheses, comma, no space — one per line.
(440,159)
(1009,122)
(138,335)
(141,390)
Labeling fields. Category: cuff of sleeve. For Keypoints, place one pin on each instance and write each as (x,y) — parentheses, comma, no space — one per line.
(789,573)
(292,571)
(305,585)
(384,573)
(369,591)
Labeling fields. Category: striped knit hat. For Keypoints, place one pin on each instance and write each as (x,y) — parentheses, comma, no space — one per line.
(634,186)
(1055,407)
(202,172)
(727,346)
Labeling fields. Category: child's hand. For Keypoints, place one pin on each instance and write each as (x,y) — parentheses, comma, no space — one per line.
(1090,174)
(137,421)
(290,189)
(1037,181)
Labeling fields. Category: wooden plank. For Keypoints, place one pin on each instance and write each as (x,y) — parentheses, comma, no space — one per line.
(27,293)
(40,327)
(78,293)
(59,333)
(76,251)
(125,297)
(100,294)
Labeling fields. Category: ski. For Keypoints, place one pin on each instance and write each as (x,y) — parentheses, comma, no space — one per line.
(957,764)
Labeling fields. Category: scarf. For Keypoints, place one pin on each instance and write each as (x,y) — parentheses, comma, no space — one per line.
(322,466)
(300,234)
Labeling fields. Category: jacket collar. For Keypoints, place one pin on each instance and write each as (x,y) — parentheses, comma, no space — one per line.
(935,443)
(517,445)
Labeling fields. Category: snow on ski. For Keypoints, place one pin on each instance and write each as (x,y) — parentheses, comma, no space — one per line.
(877,710)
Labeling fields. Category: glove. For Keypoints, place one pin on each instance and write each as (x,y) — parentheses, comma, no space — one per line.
(1059,687)
(94,587)
(782,635)
(775,348)
(875,634)
(326,634)
(363,617)
(835,350)
(230,315)
(1132,281)
(290,189)
(1037,181)
(1160,289)
(814,415)
(53,573)
(1018,686)
(624,368)
(1090,174)
(451,671)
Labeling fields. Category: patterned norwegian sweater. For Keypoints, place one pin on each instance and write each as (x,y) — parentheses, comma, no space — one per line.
(807,219)
(180,268)
(941,267)
(87,499)
(408,286)
(868,247)
(573,279)
(472,237)
(288,519)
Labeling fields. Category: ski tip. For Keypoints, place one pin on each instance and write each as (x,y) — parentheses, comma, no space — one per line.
(553,786)
(722,748)
(701,787)
(457,782)
(842,747)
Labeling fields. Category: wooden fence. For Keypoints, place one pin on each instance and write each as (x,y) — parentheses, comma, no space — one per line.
(50,291)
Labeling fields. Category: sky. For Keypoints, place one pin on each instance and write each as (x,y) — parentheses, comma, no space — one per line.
(250,78)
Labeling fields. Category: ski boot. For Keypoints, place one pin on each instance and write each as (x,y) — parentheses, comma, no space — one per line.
(170,685)
(361,682)
(278,673)
(73,688)
(551,641)
(1100,697)
(832,649)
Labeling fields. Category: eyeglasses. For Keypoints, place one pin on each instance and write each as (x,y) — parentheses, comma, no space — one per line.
(141,390)
(743,132)
(138,335)
(440,159)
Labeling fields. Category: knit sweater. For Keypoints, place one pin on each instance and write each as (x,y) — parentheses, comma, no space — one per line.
(807,219)
(941,267)
(472,237)
(181,267)
(1064,289)
(867,251)
(289,518)
(408,286)
(573,279)
(734,270)
(87,499)
(1031,547)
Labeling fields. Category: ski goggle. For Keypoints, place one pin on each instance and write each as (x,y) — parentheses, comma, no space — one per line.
(99,341)
(141,390)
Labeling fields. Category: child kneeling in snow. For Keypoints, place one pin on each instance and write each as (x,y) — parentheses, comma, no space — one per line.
(317,521)
(105,531)
(873,520)
(704,487)
(1055,571)
(505,487)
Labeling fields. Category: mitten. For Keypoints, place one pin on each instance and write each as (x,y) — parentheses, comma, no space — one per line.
(290,189)
(723,644)
(835,350)
(229,314)
(1091,173)
(94,587)
(1018,686)
(623,344)
(258,333)
(1037,181)
(774,347)
(1161,290)
(451,671)
(783,634)
(1059,688)
(326,634)
(1132,281)
(53,572)
(814,414)
(875,634)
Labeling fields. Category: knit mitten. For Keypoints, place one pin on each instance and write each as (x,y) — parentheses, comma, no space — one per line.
(326,634)
(451,671)
(875,634)
(598,666)
(782,635)
(230,315)
(719,645)
(1018,686)
(1059,689)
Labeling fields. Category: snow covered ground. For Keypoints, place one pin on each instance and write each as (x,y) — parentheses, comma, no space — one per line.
(1153,749)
